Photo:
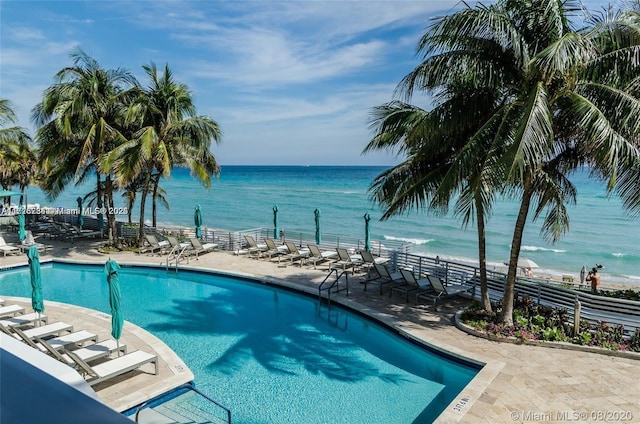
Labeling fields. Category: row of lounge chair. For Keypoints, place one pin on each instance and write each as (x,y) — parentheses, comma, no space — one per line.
(79,349)
(378,274)
(171,246)
(405,282)
(339,258)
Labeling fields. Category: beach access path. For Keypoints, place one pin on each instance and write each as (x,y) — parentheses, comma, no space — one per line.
(519,383)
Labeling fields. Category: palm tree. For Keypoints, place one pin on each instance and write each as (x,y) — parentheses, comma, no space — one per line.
(80,118)
(438,164)
(17,158)
(170,134)
(556,107)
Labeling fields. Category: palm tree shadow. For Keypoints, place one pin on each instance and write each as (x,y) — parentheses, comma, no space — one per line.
(280,340)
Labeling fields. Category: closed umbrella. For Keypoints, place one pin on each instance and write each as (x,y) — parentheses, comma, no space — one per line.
(583,274)
(197,219)
(21,227)
(37,302)
(318,237)
(276,232)
(80,217)
(367,235)
(111,269)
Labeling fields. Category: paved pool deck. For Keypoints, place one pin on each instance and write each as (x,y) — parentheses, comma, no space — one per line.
(518,383)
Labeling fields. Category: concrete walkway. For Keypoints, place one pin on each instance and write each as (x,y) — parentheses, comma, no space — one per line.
(518,383)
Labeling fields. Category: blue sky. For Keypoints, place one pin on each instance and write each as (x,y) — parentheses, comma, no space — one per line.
(290,82)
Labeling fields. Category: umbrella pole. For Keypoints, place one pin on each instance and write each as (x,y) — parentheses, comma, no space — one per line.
(118,346)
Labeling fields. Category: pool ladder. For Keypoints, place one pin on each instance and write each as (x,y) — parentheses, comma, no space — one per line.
(328,285)
(176,254)
(226,412)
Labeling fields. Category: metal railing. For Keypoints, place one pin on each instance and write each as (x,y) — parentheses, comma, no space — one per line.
(328,284)
(183,388)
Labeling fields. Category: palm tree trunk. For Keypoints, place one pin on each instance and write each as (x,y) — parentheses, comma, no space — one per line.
(482,257)
(111,217)
(154,207)
(143,198)
(516,244)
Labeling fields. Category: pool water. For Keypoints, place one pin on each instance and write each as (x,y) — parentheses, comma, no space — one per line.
(270,355)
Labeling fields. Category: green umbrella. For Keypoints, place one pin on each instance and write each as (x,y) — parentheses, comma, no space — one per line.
(80,218)
(318,238)
(21,229)
(367,235)
(36,281)
(197,219)
(275,222)
(111,269)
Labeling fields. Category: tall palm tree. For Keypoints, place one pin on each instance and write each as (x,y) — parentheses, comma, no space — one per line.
(170,134)
(80,117)
(17,158)
(556,108)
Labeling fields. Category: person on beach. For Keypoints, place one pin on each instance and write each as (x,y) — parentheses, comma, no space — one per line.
(594,278)
(529,272)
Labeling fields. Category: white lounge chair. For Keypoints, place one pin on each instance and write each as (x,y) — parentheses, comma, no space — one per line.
(88,353)
(8,248)
(31,241)
(317,256)
(60,342)
(57,327)
(25,319)
(255,249)
(274,249)
(154,245)
(11,310)
(113,367)
(294,254)
(198,247)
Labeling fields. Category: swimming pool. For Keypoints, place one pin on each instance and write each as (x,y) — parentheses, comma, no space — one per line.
(268,354)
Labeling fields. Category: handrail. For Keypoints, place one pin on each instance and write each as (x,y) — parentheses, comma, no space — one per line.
(186,386)
(333,284)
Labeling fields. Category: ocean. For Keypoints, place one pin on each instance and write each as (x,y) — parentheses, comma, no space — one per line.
(244,196)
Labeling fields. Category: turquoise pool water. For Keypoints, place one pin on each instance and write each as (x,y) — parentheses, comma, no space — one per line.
(270,355)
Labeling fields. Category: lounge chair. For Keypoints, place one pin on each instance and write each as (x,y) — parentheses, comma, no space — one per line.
(113,367)
(61,342)
(29,241)
(20,320)
(88,353)
(254,248)
(198,247)
(154,245)
(178,248)
(57,327)
(8,248)
(385,277)
(441,292)
(411,284)
(11,310)
(346,261)
(274,250)
(317,256)
(295,254)
(369,260)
